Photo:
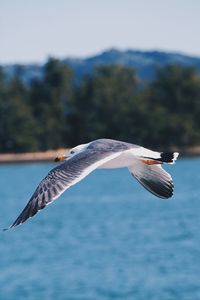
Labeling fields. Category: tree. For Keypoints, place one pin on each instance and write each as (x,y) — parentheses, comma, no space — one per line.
(52,112)
(174,101)
(17,126)
(107,105)
(49,99)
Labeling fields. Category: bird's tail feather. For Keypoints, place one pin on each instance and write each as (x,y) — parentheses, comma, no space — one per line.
(164,157)
(169,157)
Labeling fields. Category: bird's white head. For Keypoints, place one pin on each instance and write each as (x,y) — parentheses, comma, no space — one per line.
(72,152)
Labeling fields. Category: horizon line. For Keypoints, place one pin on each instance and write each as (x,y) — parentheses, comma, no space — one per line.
(82,57)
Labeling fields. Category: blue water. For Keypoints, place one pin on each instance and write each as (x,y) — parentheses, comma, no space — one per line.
(105,238)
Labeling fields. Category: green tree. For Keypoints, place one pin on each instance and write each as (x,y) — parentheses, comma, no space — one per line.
(49,99)
(108,105)
(52,112)
(174,101)
(17,126)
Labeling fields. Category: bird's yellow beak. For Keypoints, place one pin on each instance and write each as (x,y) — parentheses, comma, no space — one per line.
(61,158)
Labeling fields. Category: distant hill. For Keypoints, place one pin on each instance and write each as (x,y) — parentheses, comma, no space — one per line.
(144,62)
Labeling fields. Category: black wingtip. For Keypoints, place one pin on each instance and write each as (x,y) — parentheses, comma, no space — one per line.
(169,157)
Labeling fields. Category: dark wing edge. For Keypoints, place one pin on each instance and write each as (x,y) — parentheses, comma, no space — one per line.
(61,178)
(45,193)
(153,178)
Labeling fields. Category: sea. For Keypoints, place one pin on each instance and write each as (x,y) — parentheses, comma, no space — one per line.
(105,238)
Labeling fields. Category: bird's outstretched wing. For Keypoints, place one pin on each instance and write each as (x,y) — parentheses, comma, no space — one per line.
(154,178)
(62,177)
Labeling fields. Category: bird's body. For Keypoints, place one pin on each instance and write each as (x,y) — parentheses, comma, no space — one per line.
(127,158)
(124,160)
(143,164)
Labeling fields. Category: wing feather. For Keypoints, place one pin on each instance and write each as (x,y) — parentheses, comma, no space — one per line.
(154,178)
(61,178)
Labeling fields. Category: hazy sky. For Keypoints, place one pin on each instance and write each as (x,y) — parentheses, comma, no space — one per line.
(31,30)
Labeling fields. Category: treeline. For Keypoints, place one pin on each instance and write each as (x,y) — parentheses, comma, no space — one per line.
(55,112)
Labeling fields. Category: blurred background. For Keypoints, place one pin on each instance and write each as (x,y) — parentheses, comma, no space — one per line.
(74,71)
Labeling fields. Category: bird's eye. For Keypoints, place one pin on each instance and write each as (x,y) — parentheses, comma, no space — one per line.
(72,152)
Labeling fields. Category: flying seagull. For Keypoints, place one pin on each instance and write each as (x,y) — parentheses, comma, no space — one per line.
(144,164)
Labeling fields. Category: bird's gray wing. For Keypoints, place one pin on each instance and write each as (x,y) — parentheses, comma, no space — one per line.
(62,177)
(154,178)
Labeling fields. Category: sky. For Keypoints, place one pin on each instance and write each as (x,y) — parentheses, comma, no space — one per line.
(33,30)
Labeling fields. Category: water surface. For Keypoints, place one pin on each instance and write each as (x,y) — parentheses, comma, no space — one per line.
(105,238)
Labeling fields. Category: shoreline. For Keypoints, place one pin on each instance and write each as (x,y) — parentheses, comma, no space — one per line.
(28,157)
(50,155)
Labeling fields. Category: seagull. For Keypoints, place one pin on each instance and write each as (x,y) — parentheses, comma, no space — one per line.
(145,165)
